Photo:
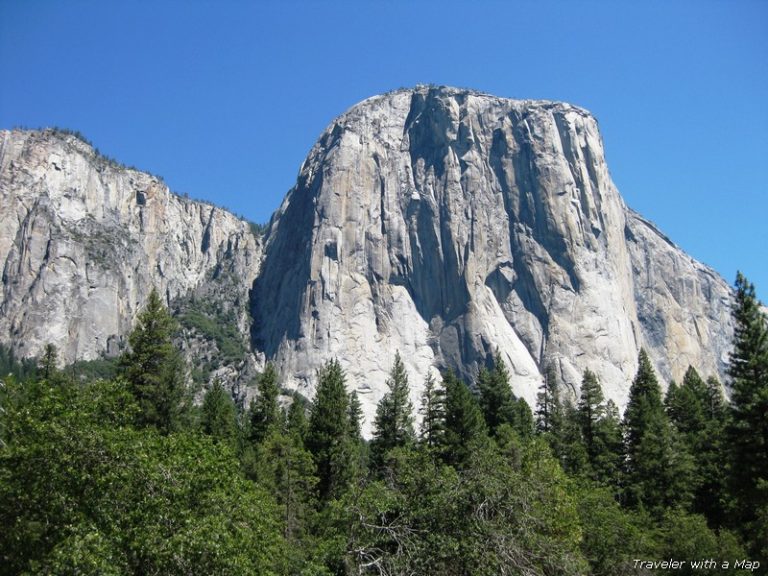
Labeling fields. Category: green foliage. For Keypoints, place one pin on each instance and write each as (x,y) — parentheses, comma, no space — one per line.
(49,362)
(612,536)
(296,421)
(81,491)
(497,401)
(258,229)
(218,417)
(393,425)
(264,411)
(432,411)
(591,408)
(601,432)
(569,445)
(464,424)
(548,405)
(696,411)
(488,519)
(287,470)
(19,368)
(522,418)
(215,323)
(154,368)
(88,370)
(355,415)
(607,456)
(747,431)
(659,472)
(687,536)
(328,437)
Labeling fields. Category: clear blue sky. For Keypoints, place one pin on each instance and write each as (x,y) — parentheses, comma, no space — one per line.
(224,99)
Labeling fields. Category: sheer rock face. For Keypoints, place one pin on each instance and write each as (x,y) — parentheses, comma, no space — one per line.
(442,223)
(83,241)
(447,224)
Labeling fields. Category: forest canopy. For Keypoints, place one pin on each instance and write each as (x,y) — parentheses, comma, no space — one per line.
(119,472)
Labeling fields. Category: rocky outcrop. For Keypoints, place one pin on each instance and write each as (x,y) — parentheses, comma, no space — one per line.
(447,224)
(444,224)
(83,240)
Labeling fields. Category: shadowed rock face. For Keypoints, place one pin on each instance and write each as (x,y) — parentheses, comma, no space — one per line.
(442,223)
(447,224)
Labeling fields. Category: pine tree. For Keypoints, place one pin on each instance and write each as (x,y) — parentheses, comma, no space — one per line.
(748,427)
(608,451)
(522,418)
(328,437)
(296,421)
(497,402)
(432,412)
(48,367)
(355,413)
(264,410)
(601,430)
(464,423)
(218,414)
(656,477)
(715,407)
(569,446)
(707,444)
(673,402)
(154,368)
(548,405)
(286,468)
(393,426)
(686,404)
(591,409)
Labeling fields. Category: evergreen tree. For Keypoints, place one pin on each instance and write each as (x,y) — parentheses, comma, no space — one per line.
(686,404)
(644,406)
(49,362)
(715,407)
(264,411)
(695,409)
(608,449)
(569,446)
(673,402)
(591,409)
(20,368)
(154,368)
(218,414)
(548,405)
(464,423)
(328,437)
(432,411)
(393,426)
(296,421)
(522,418)
(748,427)
(497,402)
(287,470)
(355,413)
(656,477)
(601,432)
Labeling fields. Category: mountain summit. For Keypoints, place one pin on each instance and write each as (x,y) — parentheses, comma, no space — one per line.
(449,224)
(445,224)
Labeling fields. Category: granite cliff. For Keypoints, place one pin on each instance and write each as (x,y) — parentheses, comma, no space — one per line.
(443,223)
(447,224)
(83,240)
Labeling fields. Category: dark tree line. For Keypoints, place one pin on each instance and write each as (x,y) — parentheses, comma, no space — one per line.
(127,475)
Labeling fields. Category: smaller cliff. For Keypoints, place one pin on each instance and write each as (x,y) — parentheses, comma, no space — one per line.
(83,240)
